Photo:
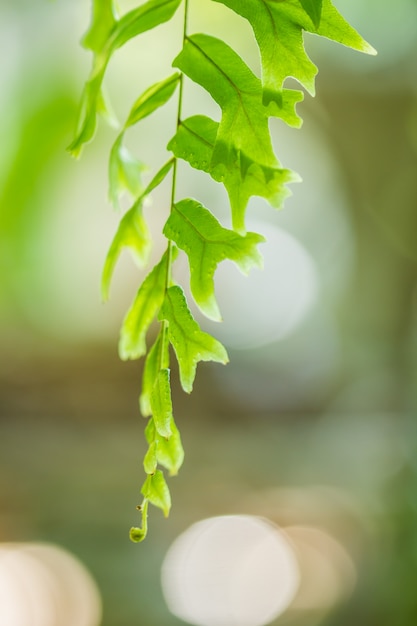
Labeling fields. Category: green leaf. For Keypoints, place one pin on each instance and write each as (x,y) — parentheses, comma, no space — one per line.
(169,452)
(139,317)
(143,18)
(194,142)
(278,28)
(133,233)
(161,404)
(159,177)
(153,363)
(190,343)
(313,9)
(242,145)
(196,231)
(104,42)
(156,491)
(150,461)
(125,172)
(87,115)
(103,21)
(153,98)
(138,534)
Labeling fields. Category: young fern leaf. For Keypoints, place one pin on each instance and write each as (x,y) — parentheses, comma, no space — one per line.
(236,151)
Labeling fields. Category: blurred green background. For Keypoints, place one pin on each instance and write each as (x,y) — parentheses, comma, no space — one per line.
(313,422)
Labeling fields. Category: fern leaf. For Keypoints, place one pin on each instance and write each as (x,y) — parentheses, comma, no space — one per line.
(104,41)
(153,98)
(161,404)
(143,310)
(243,137)
(278,28)
(196,231)
(190,343)
(156,491)
(168,451)
(194,142)
(125,173)
(132,233)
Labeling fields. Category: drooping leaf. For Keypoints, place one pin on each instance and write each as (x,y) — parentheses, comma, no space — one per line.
(139,317)
(278,28)
(161,403)
(150,461)
(190,343)
(242,145)
(156,491)
(153,98)
(125,172)
(104,42)
(141,19)
(159,177)
(132,233)
(156,357)
(196,231)
(103,21)
(169,451)
(194,142)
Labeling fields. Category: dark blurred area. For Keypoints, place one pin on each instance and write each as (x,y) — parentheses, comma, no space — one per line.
(311,425)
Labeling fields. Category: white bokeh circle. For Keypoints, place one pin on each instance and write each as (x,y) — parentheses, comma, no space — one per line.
(234,570)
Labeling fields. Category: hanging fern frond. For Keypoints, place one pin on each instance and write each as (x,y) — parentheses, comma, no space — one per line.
(236,151)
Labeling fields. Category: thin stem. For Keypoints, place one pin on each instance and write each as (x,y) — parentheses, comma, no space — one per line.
(168,279)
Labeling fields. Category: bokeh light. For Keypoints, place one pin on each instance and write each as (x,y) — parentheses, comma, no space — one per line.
(328,573)
(272,302)
(44,585)
(230,571)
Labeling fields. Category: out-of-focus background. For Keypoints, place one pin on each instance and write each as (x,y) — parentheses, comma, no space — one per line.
(311,426)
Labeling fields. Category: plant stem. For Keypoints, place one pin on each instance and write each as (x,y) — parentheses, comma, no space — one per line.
(163,358)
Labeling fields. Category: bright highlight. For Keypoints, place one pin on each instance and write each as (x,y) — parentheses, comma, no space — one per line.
(230,571)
